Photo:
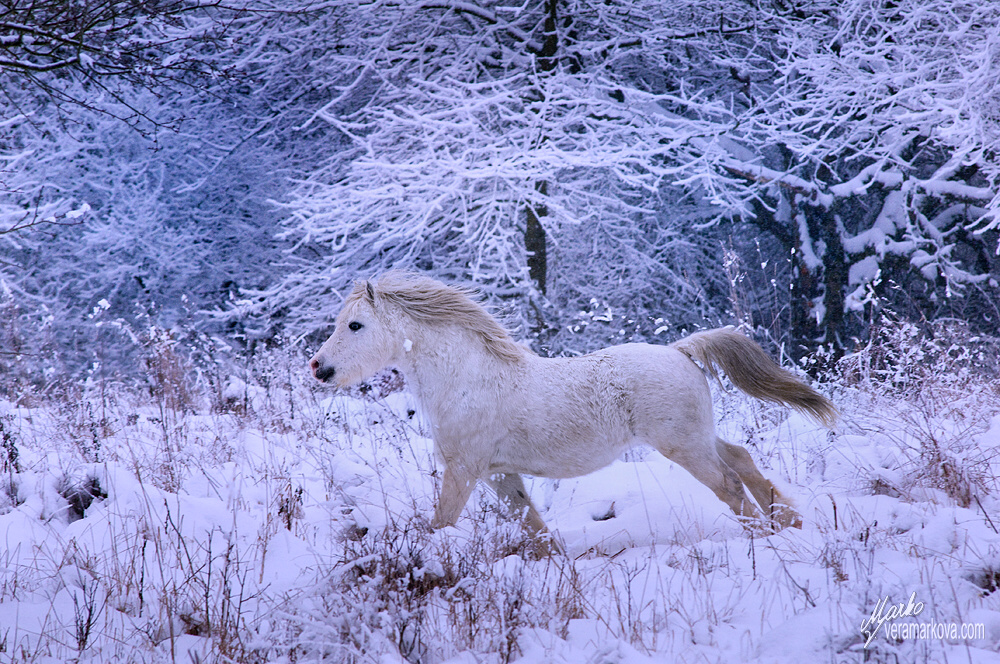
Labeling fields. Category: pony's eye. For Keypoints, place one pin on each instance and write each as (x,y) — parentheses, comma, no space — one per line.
(354,326)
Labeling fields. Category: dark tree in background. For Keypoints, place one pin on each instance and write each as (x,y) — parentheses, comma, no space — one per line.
(877,169)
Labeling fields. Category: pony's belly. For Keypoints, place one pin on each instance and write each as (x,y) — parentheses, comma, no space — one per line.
(557,459)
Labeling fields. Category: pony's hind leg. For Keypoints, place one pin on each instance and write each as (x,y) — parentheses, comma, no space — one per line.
(710,469)
(510,490)
(775,505)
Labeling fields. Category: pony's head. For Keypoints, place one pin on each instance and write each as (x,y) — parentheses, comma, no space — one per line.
(361,344)
(371,329)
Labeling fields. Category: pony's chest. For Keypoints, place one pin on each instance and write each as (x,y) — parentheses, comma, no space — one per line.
(465,416)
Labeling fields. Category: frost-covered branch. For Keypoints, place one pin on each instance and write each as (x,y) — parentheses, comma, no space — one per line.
(462,130)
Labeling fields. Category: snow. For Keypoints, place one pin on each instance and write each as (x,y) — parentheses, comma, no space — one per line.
(79,212)
(809,257)
(864,271)
(862,275)
(282,531)
(878,237)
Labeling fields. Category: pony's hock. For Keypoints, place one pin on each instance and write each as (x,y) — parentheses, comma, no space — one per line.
(497,409)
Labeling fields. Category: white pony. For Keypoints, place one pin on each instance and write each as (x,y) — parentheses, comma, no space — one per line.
(496,409)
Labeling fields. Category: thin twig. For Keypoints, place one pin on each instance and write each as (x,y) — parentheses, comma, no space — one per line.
(988,519)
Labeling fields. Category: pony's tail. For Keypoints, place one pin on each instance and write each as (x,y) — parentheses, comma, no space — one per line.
(754,372)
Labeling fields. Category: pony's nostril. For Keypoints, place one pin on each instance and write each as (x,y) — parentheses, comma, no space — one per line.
(323,373)
(314,364)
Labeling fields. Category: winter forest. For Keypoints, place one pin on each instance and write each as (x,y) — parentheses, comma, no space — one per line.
(190,188)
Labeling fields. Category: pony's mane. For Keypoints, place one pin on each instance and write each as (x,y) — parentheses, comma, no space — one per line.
(434,303)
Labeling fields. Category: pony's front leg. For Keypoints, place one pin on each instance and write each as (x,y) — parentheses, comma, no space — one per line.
(456,487)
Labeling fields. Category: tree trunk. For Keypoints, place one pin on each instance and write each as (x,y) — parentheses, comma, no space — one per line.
(829,278)
(834,282)
(803,287)
(535,242)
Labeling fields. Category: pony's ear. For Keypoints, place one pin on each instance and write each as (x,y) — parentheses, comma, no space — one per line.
(370,292)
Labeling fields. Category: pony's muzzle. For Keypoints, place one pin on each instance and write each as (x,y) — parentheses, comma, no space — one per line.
(321,372)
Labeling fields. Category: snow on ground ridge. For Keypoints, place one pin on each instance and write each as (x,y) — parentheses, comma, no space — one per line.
(278,534)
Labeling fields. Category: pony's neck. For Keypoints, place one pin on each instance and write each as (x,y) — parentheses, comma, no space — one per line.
(442,363)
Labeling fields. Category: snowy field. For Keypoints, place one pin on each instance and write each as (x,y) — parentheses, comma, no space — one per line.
(278,521)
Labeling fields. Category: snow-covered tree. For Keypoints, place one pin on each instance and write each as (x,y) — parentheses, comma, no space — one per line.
(104,213)
(111,48)
(165,212)
(582,161)
(526,148)
(562,150)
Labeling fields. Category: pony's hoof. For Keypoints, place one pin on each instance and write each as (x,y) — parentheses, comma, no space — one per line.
(784,516)
(544,545)
(436,524)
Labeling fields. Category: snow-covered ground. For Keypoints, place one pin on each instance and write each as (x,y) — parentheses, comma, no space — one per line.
(292,527)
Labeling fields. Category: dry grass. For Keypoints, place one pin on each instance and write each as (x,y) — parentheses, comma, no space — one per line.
(238,517)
